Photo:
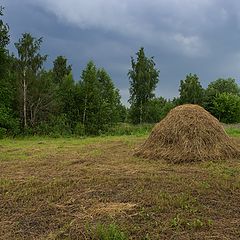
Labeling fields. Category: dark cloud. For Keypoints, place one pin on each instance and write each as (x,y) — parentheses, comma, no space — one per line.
(198,36)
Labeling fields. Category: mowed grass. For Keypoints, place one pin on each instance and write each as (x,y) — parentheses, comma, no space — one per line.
(94,188)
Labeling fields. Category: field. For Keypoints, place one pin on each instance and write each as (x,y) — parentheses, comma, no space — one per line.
(93,188)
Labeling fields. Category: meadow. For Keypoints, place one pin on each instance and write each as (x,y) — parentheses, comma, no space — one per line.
(93,188)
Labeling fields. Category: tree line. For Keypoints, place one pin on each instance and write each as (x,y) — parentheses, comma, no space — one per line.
(221,97)
(34,100)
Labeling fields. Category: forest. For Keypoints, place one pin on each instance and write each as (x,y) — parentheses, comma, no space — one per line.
(39,101)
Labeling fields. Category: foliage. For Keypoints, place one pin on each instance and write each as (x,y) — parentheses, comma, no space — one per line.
(143,80)
(42,101)
(66,90)
(222,85)
(56,126)
(3,132)
(60,69)
(79,129)
(123,113)
(226,107)
(99,102)
(66,99)
(91,98)
(29,63)
(110,103)
(4,41)
(157,109)
(219,86)
(191,90)
(8,119)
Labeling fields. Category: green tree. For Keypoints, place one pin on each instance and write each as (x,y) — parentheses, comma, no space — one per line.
(8,120)
(191,90)
(90,88)
(4,63)
(226,107)
(158,109)
(67,94)
(110,104)
(4,41)
(123,113)
(98,100)
(60,69)
(217,87)
(42,97)
(222,85)
(143,81)
(29,63)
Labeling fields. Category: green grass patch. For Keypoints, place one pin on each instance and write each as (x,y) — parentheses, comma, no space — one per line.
(106,232)
(234,132)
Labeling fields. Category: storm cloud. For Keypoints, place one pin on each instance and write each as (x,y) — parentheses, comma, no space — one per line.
(198,36)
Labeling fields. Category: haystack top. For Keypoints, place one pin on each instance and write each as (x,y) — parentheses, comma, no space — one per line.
(190,110)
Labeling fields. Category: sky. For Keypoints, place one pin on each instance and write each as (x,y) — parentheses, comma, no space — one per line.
(183,36)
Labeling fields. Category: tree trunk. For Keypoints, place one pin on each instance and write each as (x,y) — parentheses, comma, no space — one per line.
(141,112)
(34,111)
(85,109)
(24,99)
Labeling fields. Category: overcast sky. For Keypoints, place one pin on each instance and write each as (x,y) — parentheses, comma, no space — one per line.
(197,36)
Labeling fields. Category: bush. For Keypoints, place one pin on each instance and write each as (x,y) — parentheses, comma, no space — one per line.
(8,122)
(217,87)
(56,126)
(79,129)
(3,132)
(226,107)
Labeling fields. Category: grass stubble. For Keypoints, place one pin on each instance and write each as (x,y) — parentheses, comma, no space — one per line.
(90,188)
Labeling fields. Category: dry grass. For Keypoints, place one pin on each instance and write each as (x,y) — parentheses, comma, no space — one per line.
(56,189)
(188,134)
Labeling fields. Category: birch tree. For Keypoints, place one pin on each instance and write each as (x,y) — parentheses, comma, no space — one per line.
(91,97)
(143,80)
(29,63)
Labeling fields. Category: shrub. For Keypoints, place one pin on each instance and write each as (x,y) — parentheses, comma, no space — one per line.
(8,122)
(79,129)
(3,132)
(226,107)
(56,126)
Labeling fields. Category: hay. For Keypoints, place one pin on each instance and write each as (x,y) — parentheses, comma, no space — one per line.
(187,134)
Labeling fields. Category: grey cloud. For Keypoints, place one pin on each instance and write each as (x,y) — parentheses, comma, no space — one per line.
(200,36)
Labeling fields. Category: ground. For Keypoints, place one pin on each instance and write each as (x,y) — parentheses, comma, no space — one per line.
(68,188)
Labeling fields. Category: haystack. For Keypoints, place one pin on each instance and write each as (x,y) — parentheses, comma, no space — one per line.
(188,133)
